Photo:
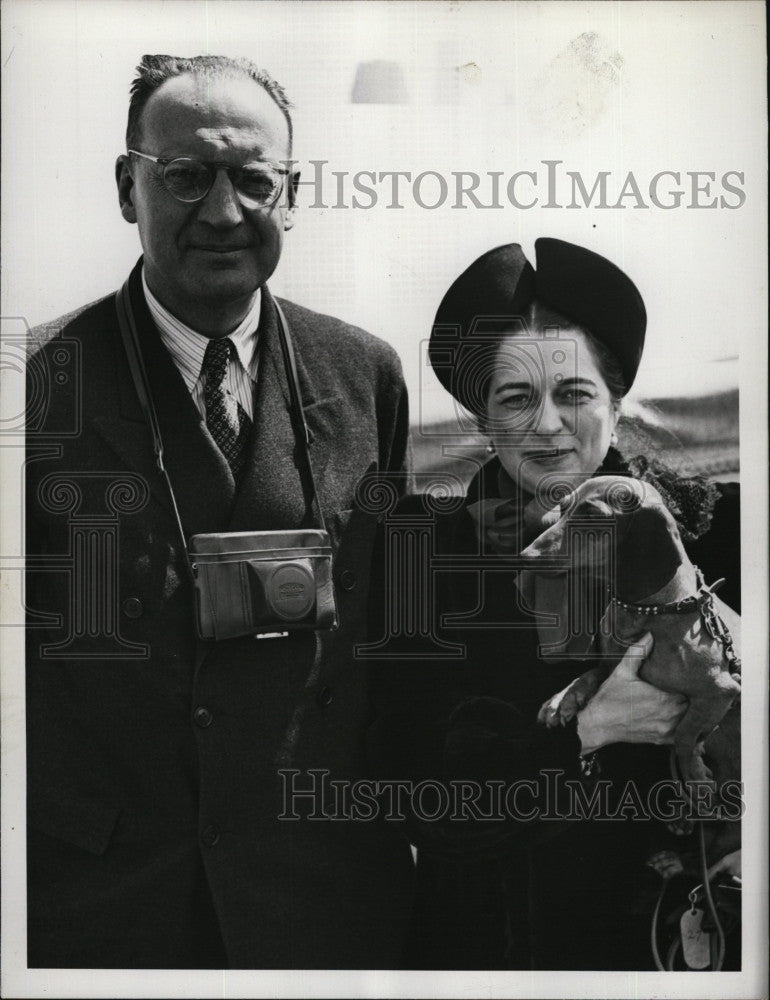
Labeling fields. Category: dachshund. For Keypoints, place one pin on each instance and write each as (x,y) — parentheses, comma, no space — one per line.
(616,533)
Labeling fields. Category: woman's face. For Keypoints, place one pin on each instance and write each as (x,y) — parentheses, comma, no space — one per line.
(549,410)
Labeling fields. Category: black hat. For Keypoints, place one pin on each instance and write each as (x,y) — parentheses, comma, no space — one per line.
(497,290)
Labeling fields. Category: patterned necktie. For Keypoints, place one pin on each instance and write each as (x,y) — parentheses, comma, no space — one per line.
(227,420)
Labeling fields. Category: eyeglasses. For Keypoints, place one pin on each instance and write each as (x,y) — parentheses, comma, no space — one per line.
(190,180)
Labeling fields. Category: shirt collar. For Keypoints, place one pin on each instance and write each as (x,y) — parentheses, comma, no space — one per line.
(187,347)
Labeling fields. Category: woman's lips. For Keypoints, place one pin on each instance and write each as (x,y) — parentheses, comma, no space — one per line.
(549,456)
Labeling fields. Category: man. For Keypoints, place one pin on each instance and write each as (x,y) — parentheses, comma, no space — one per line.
(154,758)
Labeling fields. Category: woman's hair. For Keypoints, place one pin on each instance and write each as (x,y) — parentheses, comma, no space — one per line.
(540,317)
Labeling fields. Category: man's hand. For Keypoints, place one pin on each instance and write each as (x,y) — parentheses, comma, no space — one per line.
(626,709)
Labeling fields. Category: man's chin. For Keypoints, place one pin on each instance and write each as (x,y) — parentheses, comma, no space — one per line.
(225,281)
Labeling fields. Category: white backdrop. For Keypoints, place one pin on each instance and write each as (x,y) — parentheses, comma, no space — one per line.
(617,87)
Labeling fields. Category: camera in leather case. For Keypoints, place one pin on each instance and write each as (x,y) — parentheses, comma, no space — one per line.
(248,583)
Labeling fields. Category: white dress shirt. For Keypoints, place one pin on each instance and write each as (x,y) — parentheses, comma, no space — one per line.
(188,348)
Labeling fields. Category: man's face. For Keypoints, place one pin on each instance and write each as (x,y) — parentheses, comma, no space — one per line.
(208,257)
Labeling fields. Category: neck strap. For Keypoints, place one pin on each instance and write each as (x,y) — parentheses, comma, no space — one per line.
(130,336)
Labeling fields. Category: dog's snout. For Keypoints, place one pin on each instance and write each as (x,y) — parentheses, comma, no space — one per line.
(549,543)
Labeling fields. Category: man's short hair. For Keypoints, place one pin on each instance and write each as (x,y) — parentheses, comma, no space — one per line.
(154,70)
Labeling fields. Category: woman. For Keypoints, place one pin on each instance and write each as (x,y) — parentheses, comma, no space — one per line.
(542,359)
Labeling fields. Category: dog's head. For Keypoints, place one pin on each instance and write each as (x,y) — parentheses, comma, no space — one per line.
(613,529)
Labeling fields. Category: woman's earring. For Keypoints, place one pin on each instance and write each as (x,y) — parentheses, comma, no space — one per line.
(490,448)
(613,439)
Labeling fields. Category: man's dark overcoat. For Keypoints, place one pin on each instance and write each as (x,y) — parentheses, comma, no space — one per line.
(154,791)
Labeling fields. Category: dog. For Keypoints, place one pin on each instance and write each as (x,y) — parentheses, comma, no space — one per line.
(615,535)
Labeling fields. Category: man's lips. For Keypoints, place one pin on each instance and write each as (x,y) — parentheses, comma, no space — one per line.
(216,248)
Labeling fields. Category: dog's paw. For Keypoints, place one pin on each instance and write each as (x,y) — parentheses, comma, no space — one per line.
(549,711)
(668,864)
(681,827)
(563,707)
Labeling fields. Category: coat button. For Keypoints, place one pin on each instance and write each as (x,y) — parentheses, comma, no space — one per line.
(210,836)
(202,717)
(347,580)
(132,607)
(324,697)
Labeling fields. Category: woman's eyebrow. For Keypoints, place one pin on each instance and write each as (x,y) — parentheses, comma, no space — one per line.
(514,385)
(578,380)
(528,387)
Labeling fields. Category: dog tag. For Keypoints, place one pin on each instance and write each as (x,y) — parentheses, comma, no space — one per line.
(696,943)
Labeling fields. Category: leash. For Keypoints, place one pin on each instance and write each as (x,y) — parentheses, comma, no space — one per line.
(692,922)
(690,937)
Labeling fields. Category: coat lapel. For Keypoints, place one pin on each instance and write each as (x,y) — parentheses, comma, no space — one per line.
(273,493)
(191,456)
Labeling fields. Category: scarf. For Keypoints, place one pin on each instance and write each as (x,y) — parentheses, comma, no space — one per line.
(506,517)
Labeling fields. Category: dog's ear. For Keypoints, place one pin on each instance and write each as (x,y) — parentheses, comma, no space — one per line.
(649,553)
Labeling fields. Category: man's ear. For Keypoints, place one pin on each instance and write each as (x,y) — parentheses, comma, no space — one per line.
(288,219)
(125,188)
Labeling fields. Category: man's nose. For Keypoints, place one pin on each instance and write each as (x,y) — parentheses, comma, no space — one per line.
(221,207)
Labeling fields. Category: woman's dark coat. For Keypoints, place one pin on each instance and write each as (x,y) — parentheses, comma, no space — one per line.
(507,894)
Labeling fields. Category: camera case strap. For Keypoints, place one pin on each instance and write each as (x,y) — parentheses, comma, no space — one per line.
(255,582)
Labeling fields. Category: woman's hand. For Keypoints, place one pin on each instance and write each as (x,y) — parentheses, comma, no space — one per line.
(626,709)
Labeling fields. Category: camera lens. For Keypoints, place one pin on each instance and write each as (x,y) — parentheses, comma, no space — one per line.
(291,591)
